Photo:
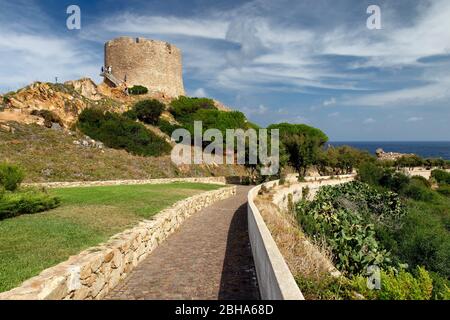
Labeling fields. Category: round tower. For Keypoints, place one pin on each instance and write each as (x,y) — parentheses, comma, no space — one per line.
(156,65)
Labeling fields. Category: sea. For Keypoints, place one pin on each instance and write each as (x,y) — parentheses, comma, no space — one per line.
(424,149)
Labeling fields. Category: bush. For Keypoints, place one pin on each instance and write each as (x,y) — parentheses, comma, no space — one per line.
(28,202)
(419,180)
(444,190)
(137,90)
(409,161)
(130,114)
(215,119)
(441,176)
(167,127)
(417,191)
(183,107)
(400,285)
(344,216)
(370,173)
(424,239)
(11,176)
(148,111)
(441,287)
(119,132)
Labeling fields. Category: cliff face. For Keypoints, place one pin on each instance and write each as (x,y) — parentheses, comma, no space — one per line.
(58,103)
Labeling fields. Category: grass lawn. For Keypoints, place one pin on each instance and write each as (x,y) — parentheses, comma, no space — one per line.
(86,217)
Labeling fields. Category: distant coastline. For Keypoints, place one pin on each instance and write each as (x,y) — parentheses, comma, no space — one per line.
(424,149)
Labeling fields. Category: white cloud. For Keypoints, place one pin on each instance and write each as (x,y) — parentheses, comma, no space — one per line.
(333,114)
(260,110)
(329,102)
(32,53)
(420,95)
(206,27)
(369,120)
(414,119)
(200,93)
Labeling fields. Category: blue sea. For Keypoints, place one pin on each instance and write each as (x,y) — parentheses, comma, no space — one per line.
(436,149)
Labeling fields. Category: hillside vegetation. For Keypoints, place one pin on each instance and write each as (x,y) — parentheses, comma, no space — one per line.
(389,220)
(50,155)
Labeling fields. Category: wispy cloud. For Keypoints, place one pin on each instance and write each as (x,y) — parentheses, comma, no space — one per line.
(200,93)
(369,121)
(414,119)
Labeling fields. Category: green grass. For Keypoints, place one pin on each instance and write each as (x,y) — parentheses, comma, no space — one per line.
(86,217)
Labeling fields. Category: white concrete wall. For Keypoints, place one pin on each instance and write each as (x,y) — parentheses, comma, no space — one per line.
(275,280)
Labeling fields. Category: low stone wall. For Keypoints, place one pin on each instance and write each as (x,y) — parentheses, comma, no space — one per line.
(95,271)
(275,280)
(295,190)
(211,180)
(419,171)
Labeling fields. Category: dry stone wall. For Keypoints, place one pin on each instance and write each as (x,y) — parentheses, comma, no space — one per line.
(210,180)
(94,272)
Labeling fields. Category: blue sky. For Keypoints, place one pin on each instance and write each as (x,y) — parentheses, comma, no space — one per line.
(301,61)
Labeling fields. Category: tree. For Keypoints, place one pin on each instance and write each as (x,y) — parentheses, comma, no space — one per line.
(148,111)
(302,143)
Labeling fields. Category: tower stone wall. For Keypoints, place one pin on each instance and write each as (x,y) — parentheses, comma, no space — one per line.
(154,64)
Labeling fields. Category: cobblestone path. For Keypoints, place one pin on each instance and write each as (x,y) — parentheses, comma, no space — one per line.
(208,257)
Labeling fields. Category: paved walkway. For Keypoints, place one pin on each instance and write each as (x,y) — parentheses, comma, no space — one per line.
(208,257)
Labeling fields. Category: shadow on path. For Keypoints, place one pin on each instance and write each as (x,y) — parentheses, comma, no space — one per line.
(238,279)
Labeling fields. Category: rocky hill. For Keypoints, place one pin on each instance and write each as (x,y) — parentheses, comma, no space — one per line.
(37,132)
(64,101)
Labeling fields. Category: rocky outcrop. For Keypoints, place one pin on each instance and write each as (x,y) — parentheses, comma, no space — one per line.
(382,155)
(28,104)
(86,87)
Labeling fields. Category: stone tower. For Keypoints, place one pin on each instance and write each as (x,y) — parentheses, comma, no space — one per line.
(154,64)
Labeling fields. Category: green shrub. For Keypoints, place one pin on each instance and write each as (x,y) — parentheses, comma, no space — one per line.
(183,107)
(421,181)
(344,216)
(409,161)
(394,181)
(215,119)
(11,176)
(424,238)
(166,127)
(370,173)
(148,111)
(119,132)
(137,90)
(444,190)
(130,114)
(441,176)
(325,287)
(417,191)
(27,202)
(441,287)
(400,285)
